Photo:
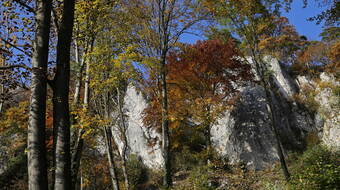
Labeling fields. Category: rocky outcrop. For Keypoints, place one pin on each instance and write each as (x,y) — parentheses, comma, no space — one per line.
(325,93)
(244,133)
(142,141)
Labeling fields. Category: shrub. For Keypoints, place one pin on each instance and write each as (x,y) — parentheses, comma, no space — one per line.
(317,169)
(307,98)
(185,159)
(336,91)
(312,139)
(137,172)
(199,179)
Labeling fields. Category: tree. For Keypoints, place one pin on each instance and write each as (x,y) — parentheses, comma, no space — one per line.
(204,76)
(13,139)
(202,80)
(160,24)
(61,80)
(330,16)
(37,163)
(279,39)
(246,19)
(16,34)
(109,78)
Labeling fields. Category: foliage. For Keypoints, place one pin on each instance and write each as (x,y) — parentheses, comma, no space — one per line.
(137,172)
(318,168)
(280,39)
(13,128)
(330,16)
(202,84)
(307,98)
(197,180)
(312,139)
(87,121)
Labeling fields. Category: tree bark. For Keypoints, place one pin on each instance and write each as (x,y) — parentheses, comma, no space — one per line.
(79,78)
(76,157)
(124,138)
(276,135)
(110,156)
(2,90)
(87,85)
(167,181)
(270,107)
(61,98)
(37,162)
(78,148)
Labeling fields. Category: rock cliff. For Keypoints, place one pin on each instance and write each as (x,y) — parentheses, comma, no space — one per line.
(244,134)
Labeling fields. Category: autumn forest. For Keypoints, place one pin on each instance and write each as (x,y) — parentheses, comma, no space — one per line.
(119,94)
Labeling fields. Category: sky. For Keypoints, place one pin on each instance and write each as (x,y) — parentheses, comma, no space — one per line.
(297,16)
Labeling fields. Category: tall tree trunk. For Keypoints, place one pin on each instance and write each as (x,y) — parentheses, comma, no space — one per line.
(81,180)
(37,162)
(124,138)
(260,69)
(167,181)
(108,139)
(60,99)
(276,135)
(78,148)
(2,89)
(76,157)
(110,156)
(79,78)
(87,84)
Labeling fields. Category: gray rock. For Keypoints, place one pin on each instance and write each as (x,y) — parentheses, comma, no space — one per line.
(244,133)
(142,141)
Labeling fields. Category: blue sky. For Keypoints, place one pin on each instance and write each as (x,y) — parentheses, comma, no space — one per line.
(297,16)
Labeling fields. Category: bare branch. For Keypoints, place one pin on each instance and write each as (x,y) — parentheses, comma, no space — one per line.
(14,66)
(27,7)
(16,47)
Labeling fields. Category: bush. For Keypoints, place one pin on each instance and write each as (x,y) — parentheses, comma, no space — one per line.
(306,98)
(185,160)
(317,169)
(199,179)
(137,172)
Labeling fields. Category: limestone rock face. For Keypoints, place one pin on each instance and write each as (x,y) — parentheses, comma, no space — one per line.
(142,141)
(327,117)
(244,133)
(330,111)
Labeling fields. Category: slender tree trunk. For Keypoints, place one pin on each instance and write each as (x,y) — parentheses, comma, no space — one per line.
(276,135)
(37,162)
(124,138)
(2,89)
(167,181)
(79,78)
(110,156)
(61,98)
(87,84)
(266,85)
(76,157)
(81,180)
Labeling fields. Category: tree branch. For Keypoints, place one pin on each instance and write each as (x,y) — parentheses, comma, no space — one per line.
(14,66)
(27,7)
(15,47)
